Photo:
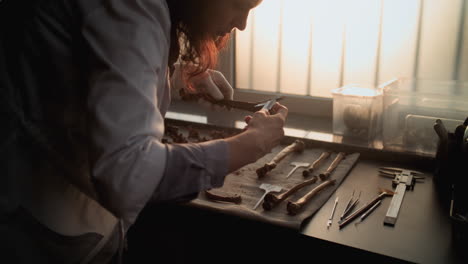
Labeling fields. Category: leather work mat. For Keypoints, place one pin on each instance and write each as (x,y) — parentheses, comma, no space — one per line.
(245,183)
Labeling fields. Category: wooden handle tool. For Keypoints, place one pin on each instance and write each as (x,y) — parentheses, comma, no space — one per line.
(331,168)
(294,207)
(316,164)
(271,200)
(296,146)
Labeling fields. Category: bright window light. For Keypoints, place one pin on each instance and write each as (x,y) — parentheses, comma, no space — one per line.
(309,47)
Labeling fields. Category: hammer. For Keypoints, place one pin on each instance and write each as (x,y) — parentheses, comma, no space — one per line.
(296,146)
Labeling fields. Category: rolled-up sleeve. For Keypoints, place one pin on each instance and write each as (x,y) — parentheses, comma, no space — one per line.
(128,45)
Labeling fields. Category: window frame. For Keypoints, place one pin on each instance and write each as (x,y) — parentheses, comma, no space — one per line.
(297,104)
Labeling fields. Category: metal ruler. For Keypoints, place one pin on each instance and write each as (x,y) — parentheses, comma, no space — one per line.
(395,204)
(403,179)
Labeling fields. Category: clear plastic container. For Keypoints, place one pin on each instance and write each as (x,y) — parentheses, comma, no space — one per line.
(410,108)
(357,112)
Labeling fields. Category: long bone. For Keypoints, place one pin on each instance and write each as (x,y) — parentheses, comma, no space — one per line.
(294,207)
(333,165)
(316,163)
(237,199)
(271,200)
(296,146)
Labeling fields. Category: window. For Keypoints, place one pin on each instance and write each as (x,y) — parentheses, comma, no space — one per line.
(306,48)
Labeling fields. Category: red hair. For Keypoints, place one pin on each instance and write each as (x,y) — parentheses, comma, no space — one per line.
(190,41)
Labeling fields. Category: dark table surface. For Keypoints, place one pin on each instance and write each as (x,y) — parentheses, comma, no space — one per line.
(422,233)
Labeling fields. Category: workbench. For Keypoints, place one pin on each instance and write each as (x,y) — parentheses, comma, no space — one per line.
(183,232)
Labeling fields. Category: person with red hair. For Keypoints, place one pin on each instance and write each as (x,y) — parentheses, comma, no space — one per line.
(87,85)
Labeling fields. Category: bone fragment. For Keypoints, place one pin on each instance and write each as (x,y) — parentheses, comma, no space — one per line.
(331,168)
(294,207)
(237,199)
(316,164)
(271,200)
(296,146)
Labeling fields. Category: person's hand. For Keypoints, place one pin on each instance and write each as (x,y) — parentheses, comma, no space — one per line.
(267,128)
(210,84)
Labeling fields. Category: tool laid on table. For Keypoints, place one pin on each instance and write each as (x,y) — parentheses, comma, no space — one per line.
(368,212)
(350,205)
(248,106)
(323,176)
(268,188)
(316,164)
(330,219)
(363,209)
(271,200)
(403,180)
(296,146)
(294,207)
(296,166)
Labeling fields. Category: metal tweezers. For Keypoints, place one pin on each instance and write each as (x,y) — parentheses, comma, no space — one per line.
(249,106)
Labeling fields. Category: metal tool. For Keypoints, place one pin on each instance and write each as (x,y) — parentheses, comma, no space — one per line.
(350,206)
(330,219)
(268,188)
(368,212)
(248,106)
(297,165)
(403,180)
(358,212)
(270,103)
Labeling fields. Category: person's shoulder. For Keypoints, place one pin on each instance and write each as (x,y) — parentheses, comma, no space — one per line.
(154,8)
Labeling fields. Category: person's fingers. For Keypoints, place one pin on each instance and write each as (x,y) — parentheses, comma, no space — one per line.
(223,85)
(279,109)
(261,113)
(247,119)
(210,88)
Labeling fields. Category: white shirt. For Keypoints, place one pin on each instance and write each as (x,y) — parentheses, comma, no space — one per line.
(129,98)
(126,45)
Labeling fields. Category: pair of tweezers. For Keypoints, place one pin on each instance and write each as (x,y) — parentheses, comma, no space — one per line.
(249,106)
(350,205)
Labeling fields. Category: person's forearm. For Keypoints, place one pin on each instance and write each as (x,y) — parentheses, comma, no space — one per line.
(244,148)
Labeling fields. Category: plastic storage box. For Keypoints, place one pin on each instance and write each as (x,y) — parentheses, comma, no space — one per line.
(357,112)
(411,107)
